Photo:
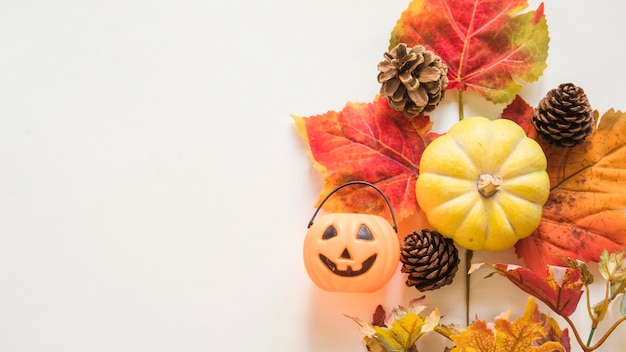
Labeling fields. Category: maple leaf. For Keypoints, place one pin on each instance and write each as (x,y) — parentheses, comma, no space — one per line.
(525,334)
(611,266)
(521,112)
(406,330)
(586,210)
(401,329)
(367,142)
(555,333)
(560,289)
(485,43)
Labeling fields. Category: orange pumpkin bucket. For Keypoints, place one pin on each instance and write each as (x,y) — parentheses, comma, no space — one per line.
(351,252)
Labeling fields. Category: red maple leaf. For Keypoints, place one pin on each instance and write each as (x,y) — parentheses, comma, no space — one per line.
(367,142)
(586,210)
(484,43)
(560,288)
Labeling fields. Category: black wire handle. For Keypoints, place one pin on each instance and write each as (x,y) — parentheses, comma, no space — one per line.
(395,226)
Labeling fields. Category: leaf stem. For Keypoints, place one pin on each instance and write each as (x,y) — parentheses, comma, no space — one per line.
(595,321)
(605,304)
(468,262)
(608,333)
(461,113)
(590,336)
(588,301)
(576,334)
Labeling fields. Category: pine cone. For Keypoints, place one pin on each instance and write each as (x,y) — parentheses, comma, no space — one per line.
(413,79)
(430,259)
(564,116)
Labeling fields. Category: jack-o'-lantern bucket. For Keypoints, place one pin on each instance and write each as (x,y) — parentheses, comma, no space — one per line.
(351,252)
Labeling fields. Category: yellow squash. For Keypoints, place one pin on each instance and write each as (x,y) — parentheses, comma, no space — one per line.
(483,183)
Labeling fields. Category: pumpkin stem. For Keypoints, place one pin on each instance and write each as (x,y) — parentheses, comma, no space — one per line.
(488,184)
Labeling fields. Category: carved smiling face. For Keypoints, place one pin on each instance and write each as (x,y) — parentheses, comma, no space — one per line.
(364,234)
(351,252)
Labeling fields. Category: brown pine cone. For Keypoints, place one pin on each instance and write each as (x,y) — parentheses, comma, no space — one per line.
(413,79)
(430,259)
(564,116)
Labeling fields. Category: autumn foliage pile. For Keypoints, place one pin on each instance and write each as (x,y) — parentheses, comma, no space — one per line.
(489,47)
(377,144)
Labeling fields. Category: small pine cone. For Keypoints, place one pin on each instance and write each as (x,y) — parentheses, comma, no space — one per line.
(430,259)
(564,116)
(413,79)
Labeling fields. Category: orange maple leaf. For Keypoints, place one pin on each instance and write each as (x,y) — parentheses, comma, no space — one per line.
(525,334)
(367,142)
(586,210)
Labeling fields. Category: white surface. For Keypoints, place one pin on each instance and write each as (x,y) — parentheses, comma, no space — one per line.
(154,191)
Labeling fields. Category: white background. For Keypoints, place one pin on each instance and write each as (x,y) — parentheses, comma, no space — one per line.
(154,193)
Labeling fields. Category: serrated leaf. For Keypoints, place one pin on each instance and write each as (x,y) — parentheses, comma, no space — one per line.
(406,328)
(555,333)
(603,264)
(373,345)
(616,287)
(526,334)
(586,210)
(611,266)
(521,112)
(402,329)
(586,276)
(560,288)
(485,44)
(403,333)
(368,142)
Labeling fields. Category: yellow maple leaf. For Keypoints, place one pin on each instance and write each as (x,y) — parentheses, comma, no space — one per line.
(525,334)
(403,328)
